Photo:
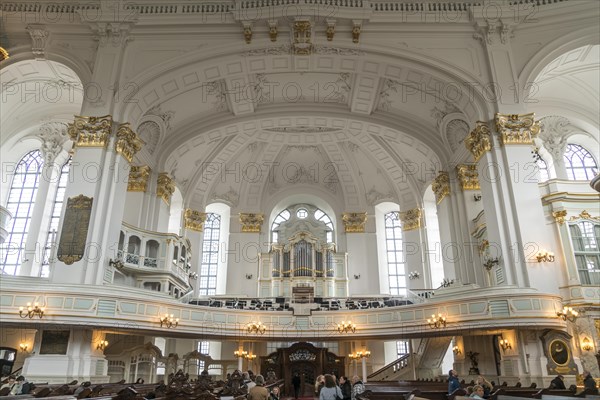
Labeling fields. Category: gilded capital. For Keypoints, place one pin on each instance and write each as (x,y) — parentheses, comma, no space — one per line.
(165,187)
(194,220)
(560,216)
(411,219)
(127,143)
(251,222)
(138,178)
(479,140)
(90,131)
(441,186)
(468,176)
(517,128)
(354,222)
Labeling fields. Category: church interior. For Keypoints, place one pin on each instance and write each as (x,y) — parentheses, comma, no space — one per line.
(390,189)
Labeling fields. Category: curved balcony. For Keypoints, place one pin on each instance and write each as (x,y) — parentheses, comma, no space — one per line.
(478,309)
(5,217)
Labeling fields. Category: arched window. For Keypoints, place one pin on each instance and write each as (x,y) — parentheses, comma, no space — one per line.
(21,199)
(395,258)
(207,279)
(585,236)
(579,163)
(57,206)
(279,219)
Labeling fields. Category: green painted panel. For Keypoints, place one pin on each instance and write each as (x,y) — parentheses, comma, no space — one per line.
(316,320)
(407,316)
(185,314)
(151,310)
(6,300)
(219,318)
(285,320)
(522,304)
(372,318)
(464,309)
(385,318)
(231,319)
(453,310)
(477,308)
(68,302)
(418,314)
(141,309)
(536,304)
(129,308)
(547,305)
(50,301)
(83,304)
(197,316)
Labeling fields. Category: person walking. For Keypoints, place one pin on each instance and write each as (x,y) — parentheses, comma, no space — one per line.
(296,382)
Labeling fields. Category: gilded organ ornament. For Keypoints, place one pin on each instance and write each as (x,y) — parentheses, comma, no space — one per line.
(165,187)
(468,176)
(90,131)
(251,222)
(138,178)
(479,140)
(560,216)
(354,222)
(517,128)
(441,186)
(127,143)
(194,220)
(411,219)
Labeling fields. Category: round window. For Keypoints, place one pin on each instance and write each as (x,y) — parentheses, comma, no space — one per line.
(302,213)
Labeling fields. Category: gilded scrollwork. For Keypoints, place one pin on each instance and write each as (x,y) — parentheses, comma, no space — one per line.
(468,176)
(194,220)
(138,178)
(560,216)
(479,140)
(90,131)
(411,219)
(584,215)
(517,128)
(127,143)
(165,187)
(354,222)
(251,222)
(441,186)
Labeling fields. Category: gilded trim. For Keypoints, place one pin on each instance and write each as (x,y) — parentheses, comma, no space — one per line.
(251,223)
(517,128)
(478,142)
(90,131)
(441,186)
(138,178)
(468,176)
(560,216)
(411,219)
(3,54)
(584,215)
(165,187)
(127,143)
(194,220)
(354,222)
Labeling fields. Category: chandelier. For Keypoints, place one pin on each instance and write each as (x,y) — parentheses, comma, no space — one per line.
(345,327)
(256,327)
(567,313)
(436,321)
(360,354)
(32,311)
(168,321)
(240,353)
(250,356)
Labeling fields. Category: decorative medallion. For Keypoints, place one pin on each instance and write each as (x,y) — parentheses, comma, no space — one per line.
(517,128)
(165,187)
(441,186)
(411,219)
(302,355)
(468,176)
(138,178)
(90,131)
(560,216)
(354,222)
(251,222)
(194,220)
(127,143)
(73,235)
(479,140)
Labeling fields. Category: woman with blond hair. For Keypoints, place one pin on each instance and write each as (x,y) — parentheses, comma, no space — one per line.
(319,383)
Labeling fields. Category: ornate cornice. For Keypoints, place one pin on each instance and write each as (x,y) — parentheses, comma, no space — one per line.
(354,222)
(560,216)
(251,222)
(585,215)
(441,186)
(165,187)
(127,143)
(411,219)
(479,140)
(517,128)
(194,220)
(90,131)
(138,178)
(468,176)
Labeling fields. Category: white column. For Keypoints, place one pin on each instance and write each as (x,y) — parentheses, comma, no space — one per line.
(364,370)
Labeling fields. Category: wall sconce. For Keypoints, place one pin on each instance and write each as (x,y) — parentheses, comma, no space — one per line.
(256,327)
(567,313)
(456,350)
(249,276)
(505,344)
(193,275)
(102,345)
(489,263)
(477,197)
(118,263)
(414,275)
(437,321)
(345,327)
(240,353)
(356,276)
(168,321)
(32,311)
(544,256)
(23,347)
(586,344)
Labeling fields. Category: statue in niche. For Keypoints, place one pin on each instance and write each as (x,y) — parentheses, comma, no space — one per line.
(474,370)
